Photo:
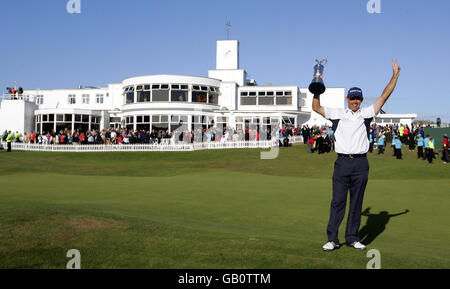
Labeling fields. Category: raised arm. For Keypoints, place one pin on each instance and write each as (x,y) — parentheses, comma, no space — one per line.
(389,88)
(317,107)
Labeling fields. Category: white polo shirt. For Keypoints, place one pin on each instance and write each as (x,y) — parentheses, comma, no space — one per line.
(351,132)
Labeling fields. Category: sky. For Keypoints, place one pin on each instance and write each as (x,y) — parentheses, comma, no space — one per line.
(45,47)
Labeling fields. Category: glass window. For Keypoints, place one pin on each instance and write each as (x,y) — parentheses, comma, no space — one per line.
(184,87)
(39,99)
(146,118)
(288,93)
(139,87)
(155,86)
(99,98)
(130,97)
(284,100)
(143,96)
(139,119)
(179,95)
(175,86)
(160,95)
(244,93)
(85,99)
(265,100)
(78,117)
(204,88)
(72,99)
(155,118)
(261,93)
(248,100)
(200,96)
(44,117)
(51,117)
(164,118)
(279,93)
(270,93)
(213,97)
(67,117)
(164,86)
(252,93)
(196,87)
(85,118)
(147,87)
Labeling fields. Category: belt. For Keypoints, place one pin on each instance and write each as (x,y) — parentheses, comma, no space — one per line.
(352,156)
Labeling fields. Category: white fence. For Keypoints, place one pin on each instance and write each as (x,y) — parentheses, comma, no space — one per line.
(141,147)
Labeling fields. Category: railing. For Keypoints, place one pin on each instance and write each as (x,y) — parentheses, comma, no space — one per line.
(140,147)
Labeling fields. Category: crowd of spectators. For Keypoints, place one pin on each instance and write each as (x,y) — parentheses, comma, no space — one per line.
(398,135)
(129,136)
(317,138)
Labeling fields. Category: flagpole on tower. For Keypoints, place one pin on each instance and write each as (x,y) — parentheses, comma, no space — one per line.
(228,27)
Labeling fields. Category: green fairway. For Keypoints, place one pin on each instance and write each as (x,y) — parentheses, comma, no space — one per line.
(213,209)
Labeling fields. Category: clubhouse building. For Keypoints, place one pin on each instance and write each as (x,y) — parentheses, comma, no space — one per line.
(225,98)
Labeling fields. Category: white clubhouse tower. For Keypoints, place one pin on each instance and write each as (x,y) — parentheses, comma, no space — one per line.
(225,97)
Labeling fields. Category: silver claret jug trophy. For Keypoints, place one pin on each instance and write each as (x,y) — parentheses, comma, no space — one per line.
(317,86)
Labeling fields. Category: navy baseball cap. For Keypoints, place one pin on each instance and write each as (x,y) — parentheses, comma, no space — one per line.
(355,92)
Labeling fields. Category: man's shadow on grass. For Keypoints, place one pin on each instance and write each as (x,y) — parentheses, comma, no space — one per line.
(375,225)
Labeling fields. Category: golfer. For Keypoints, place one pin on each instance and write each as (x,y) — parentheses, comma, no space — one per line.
(351,168)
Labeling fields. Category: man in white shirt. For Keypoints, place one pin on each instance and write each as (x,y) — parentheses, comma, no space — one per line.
(351,169)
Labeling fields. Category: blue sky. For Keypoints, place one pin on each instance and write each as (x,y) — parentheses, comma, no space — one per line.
(45,47)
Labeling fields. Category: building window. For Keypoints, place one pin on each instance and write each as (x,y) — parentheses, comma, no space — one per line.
(160,92)
(95,119)
(129,94)
(179,93)
(85,99)
(143,96)
(39,99)
(99,98)
(72,99)
(199,94)
(213,97)
(248,100)
(160,122)
(284,98)
(265,100)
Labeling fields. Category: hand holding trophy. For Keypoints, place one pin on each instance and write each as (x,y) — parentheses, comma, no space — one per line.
(317,86)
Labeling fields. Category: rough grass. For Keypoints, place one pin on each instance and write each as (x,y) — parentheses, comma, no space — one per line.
(213,209)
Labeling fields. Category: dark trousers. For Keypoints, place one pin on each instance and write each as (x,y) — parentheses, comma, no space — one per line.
(420,152)
(445,155)
(425,156)
(9,147)
(350,174)
(380,150)
(398,153)
(430,155)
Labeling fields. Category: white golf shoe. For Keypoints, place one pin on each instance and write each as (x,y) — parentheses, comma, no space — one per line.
(330,246)
(357,245)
